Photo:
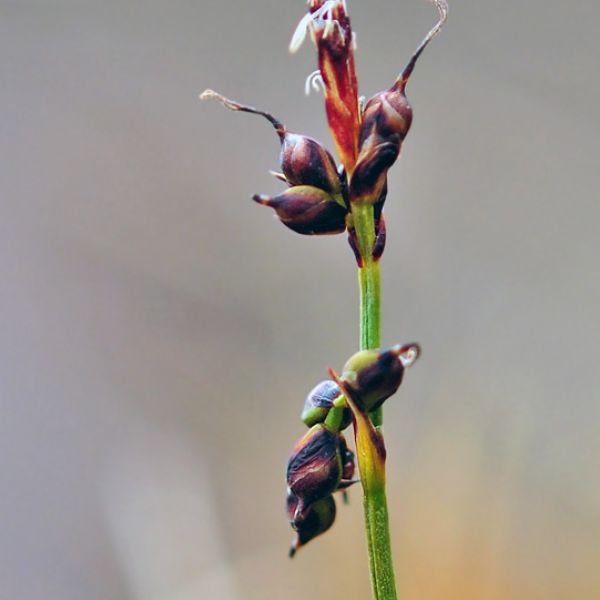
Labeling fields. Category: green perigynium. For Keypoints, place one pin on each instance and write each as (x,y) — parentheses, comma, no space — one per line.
(323,197)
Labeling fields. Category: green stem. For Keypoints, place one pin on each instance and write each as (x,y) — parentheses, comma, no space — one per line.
(371,460)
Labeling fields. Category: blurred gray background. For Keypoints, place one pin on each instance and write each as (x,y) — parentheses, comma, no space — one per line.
(159,331)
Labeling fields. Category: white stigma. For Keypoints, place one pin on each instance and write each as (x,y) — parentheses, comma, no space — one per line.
(308,21)
(408,353)
(300,32)
(314,81)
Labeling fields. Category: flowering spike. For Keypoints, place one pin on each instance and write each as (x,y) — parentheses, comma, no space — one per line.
(323,198)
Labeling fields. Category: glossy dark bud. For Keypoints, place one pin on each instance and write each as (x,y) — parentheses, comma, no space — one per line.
(319,402)
(387,117)
(316,519)
(372,376)
(304,161)
(314,469)
(307,210)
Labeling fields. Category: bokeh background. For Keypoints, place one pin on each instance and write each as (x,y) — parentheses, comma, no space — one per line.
(158,331)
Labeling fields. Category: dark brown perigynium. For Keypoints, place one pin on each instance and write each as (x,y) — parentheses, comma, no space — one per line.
(373,376)
(314,520)
(386,119)
(314,469)
(307,210)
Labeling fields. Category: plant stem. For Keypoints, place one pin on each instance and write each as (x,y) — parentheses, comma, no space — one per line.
(371,458)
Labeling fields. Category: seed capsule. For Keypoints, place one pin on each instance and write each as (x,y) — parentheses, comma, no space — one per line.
(314,469)
(374,375)
(316,519)
(304,161)
(320,400)
(307,210)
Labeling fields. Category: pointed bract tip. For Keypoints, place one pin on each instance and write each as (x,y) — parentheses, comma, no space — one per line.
(442,8)
(209,94)
(407,353)
(262,199)
(236,106)
(334,376)
(278,175)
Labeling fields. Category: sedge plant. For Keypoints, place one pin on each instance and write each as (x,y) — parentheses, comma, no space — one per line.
(325,196)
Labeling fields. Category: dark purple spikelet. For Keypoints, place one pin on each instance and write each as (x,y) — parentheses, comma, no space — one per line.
(307,210)
(372,376)
(314,469)
(316,519)
(387,117)
(304,161)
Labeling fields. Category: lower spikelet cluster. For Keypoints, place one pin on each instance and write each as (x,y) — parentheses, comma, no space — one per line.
(321,463)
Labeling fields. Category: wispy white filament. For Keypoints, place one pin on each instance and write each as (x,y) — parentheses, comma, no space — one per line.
(314,81)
